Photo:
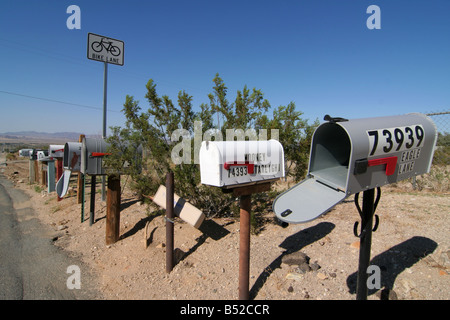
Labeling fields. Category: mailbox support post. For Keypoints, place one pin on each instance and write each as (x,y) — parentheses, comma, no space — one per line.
(80,180)
(92,207)
(113,210)
(244,246)
(31,171)
(36,171)
(365,243)
(169,221)
(59,171)
(83,178)
(245,194)
(51,176)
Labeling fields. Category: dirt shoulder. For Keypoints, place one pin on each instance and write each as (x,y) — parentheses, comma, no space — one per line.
(411,247)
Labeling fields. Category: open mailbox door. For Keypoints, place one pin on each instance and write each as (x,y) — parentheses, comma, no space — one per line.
(71,163)
(350,156)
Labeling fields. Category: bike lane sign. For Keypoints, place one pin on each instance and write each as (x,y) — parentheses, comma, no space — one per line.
(104,49)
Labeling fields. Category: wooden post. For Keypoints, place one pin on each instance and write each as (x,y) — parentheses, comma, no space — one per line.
(36,171)
(113,210)
(169,221)
(32,175)
(80,184)
(43,176)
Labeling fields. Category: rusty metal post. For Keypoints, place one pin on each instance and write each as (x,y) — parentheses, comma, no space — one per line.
(169,221)
(244,247)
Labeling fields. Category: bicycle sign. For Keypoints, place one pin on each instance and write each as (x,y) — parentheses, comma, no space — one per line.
(105,49)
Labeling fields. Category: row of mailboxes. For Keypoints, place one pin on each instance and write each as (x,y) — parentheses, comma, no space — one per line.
(86,157)
(229,164)
(346,157)
(54,151)
(350,156)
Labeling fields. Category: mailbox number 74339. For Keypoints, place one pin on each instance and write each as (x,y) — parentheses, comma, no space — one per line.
(382,141)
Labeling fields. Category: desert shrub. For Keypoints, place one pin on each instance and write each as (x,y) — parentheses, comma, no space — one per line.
(160,129)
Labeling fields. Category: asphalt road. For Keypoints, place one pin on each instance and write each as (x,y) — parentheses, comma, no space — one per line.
(31,266)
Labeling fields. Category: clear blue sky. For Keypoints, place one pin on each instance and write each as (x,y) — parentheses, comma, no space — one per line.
(319,54)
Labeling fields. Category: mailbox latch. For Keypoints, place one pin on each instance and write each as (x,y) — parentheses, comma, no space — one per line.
(99,154)
(362,164)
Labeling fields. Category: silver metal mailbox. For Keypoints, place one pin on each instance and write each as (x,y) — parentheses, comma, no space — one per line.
(229,164)
(56,151)
(351,156)
(92,153)
(72,156)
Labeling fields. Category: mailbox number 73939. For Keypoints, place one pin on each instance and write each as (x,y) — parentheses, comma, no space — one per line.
(382,141)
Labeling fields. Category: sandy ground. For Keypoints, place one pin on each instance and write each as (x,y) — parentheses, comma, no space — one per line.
(411,248)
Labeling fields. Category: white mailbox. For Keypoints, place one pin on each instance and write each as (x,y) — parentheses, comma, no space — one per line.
(25,152)
(350,156)
(229,164)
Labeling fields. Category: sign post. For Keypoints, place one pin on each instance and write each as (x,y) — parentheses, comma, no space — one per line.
(106,50)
